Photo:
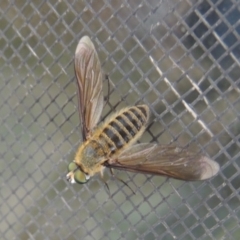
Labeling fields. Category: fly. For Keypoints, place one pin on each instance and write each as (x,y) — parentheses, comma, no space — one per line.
(112,143)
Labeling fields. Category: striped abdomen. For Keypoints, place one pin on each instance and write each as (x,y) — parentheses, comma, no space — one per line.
(124,128)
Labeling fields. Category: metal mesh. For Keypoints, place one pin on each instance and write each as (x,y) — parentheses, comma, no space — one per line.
(179,57)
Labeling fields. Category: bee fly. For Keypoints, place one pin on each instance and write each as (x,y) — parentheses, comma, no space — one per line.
(111,144)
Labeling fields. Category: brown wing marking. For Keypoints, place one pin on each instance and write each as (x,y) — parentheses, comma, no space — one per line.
(89,82)
(165,160)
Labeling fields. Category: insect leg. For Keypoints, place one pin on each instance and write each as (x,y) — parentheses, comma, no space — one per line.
(106,99)
(105,183)
(119,179)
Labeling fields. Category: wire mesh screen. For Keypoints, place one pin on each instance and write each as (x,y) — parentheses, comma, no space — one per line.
(181,58)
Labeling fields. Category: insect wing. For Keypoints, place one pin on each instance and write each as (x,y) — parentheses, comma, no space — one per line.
(89,82)
(165,160)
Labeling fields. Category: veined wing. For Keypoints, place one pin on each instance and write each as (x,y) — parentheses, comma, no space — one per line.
(89,81)
(165,160)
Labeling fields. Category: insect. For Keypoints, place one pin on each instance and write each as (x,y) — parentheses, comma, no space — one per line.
(111,144)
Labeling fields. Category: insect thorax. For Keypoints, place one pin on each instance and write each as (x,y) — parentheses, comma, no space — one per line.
(92,153)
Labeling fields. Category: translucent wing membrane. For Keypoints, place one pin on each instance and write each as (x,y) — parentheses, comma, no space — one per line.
(165,160)
(120,132)
(89,81)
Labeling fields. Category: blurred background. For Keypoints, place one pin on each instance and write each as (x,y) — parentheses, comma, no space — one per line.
(181,58)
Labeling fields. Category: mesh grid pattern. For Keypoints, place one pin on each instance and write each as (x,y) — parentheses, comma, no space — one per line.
(181,58)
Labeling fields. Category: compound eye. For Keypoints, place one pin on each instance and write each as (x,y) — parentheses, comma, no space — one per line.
(72,166)
(80,177)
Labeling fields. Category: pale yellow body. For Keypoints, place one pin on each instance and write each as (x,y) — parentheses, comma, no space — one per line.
(96,150)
